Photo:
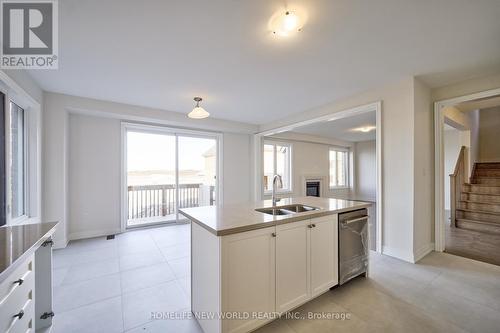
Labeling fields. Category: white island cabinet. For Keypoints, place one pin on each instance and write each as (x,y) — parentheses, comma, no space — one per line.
(244,280)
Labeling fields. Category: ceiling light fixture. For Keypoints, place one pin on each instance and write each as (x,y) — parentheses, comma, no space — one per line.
(198,112)
(285,24)
(364,129)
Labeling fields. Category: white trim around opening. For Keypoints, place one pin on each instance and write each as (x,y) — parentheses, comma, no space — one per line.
(439,212)
(377,107)
(125,126)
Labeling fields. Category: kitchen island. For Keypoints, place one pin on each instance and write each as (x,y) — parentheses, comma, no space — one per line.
(250,263)
(26,277)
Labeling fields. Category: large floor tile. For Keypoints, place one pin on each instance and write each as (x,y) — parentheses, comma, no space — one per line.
(67,297)
(82,272)
(141,259)
(177,251)
(58,275)
(104,316)
(64,259)
(169,325)
(139,307)
(181,267)
(90,244)
(145,277)
(463,313)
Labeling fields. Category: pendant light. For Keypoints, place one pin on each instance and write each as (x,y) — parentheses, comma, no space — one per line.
(198,112)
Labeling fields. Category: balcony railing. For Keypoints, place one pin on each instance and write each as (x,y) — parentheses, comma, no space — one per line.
(148,201)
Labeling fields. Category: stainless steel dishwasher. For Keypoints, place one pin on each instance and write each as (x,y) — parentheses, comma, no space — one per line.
(353,244)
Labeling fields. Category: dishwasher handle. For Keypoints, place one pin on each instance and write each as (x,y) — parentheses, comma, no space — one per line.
(357,219)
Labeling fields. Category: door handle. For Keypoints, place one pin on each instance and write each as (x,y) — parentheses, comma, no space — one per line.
(365,217)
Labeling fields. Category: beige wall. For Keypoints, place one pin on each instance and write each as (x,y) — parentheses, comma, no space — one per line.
(423,177)
(365,161)
(489,135)
(310,157)
(398,158)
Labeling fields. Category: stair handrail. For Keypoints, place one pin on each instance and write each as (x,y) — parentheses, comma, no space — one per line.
(457,179)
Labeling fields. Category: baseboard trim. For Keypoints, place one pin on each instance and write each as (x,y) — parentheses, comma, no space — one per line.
(389,251)
(93,233)
(60,244)
(423,251)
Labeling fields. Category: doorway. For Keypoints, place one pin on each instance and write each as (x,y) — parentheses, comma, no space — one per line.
(165,169)
(339,166)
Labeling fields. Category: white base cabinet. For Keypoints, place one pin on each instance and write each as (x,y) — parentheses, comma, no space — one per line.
(292,265)
(324,254)
(242,281)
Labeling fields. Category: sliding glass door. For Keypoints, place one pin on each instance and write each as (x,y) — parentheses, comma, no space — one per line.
(167,169)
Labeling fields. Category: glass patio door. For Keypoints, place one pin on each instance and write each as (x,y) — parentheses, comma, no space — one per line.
(166,170)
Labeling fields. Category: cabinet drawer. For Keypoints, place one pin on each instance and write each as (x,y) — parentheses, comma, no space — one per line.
(27,322)
(9,286)
(16,298)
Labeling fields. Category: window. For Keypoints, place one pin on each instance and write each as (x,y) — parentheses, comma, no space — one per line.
(277,161)
(17,161)
(339,168)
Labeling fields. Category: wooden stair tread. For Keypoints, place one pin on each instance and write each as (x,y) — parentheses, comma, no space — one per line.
(478,211)
(493,224)
(481,202)
(493,194)
(482,185)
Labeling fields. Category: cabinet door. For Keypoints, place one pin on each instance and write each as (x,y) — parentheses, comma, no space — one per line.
(292,265)
(324,253)
(248,277)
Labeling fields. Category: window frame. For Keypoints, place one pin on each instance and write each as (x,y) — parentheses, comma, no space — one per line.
(347,167)
(8,139)
(275,143)
(31,155)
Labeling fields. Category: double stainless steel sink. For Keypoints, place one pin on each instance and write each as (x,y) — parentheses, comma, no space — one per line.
(286,210)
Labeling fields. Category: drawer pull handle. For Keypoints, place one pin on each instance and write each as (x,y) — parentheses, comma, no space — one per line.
(48,242)
(273,234)
(20,314)
(47,315)
(20,281)
(314,225)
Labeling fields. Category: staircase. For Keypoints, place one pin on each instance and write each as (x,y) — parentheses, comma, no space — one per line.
(478,207)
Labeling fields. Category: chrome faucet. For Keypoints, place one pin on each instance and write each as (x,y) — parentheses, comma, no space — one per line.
(277,181)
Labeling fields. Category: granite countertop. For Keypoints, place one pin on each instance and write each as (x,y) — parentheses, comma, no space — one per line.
(19,241)
(235,218)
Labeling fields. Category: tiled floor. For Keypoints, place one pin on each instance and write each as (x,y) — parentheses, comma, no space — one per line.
(112,286)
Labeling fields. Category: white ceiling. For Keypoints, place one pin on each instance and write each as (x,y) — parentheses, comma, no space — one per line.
(163,53)
(484,103)
(342,129)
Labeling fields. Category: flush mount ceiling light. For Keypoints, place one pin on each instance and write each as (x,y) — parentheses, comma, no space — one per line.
(198,112)
(364,129)
(286,23)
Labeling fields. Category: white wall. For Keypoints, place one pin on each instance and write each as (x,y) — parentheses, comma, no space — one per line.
(94,176)
(423,172)
(310,158)
(365,161)
(466,121)
(24,80)
(489,133)
(398,158)
(68,199)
